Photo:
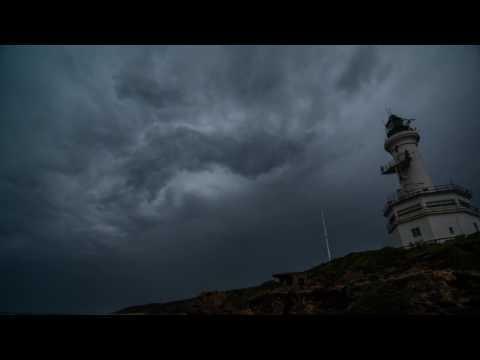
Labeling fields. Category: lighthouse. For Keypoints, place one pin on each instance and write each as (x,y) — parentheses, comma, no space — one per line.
(419,211)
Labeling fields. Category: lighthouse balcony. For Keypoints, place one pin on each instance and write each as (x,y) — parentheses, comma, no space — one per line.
(401,162)
(432,208)
(403,196)
(412,211)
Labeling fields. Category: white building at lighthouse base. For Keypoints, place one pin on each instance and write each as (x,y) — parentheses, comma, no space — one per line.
(432,213)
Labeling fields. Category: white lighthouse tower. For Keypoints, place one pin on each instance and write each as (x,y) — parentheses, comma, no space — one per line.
(418,210)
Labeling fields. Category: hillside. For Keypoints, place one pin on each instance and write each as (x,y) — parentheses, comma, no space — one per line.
(429,279)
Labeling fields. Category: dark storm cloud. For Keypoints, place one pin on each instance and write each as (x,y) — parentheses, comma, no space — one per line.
(257,74)
(148,91)
(362,68)
(153,164)
(142,174)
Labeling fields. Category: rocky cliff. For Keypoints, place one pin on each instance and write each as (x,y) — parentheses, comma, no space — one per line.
(429,279)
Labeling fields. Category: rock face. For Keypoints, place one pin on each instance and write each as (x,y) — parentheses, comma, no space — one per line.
(430,279)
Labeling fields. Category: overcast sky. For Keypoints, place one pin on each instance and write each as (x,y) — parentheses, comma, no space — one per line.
(132,174)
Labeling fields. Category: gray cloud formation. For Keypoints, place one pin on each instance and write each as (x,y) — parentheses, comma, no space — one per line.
(135,174)
(362,68)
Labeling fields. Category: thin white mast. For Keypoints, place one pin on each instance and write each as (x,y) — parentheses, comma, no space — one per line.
(326,237)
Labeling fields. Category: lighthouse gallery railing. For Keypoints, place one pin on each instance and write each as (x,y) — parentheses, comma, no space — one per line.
(400,196)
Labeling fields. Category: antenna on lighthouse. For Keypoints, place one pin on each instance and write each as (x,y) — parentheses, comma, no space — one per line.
(326,237)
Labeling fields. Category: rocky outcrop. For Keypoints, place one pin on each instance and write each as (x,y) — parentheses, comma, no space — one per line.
(430,279)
